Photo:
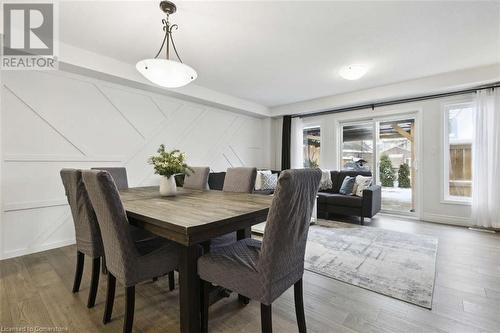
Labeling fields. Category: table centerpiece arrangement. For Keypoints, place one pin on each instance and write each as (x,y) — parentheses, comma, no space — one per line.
(168,164)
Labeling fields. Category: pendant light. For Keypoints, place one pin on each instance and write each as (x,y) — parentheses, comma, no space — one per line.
(167,73)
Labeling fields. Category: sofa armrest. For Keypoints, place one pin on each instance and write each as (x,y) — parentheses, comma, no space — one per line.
(372,200)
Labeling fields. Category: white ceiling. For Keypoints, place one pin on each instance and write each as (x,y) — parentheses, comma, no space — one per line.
(277,52)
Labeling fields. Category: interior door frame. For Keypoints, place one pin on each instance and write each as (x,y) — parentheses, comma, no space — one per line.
(391,115)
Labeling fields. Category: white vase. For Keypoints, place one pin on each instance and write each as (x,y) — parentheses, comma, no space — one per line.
(168,188)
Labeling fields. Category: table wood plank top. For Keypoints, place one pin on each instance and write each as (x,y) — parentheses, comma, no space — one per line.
(193,216)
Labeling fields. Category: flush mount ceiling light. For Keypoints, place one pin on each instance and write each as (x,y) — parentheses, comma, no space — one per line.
(166,72)
(353,72)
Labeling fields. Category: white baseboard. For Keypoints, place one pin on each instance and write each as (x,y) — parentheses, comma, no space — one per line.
(447,219)
(40,248)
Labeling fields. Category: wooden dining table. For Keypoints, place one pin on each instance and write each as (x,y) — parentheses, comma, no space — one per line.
(192,218)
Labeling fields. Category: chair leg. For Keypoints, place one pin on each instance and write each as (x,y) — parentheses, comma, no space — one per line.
(80,259)
(104,268)
(94,281)
(299,306)
(171,281)
(110,298)
(204,304)
(129,309)
(266,318)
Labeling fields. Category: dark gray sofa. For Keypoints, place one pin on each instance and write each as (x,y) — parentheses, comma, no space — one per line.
(331,201)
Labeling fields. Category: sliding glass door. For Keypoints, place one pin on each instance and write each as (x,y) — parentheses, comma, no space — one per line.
(387,148)
(396,161)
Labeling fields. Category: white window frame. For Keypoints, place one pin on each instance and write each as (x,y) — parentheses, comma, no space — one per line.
(446,197)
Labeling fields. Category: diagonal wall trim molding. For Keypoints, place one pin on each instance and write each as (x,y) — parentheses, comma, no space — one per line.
(118,110)
(181,137)
(212,153)
(49,231)
(164,124)
(236,154)
(228,161)
(43,119)
(160,109)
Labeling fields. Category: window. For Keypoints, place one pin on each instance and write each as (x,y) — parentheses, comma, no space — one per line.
(312,145)
(459,138)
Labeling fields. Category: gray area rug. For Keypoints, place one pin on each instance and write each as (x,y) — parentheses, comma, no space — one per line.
(396,264)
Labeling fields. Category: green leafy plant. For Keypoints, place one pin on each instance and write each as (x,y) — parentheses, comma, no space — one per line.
(404,176)
(169,163)
(387,172)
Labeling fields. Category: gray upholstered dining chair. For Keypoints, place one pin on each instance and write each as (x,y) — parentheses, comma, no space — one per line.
(87,232)
(119,175)
(197,179)
(129,261)
(237,180)
(262,271)
(241,180)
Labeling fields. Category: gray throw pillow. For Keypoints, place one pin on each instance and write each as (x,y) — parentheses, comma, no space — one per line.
(347,185)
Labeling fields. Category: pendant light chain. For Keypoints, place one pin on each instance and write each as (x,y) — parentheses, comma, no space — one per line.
(168,37)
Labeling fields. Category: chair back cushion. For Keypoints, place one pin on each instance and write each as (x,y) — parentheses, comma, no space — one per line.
(197,179)
(88,235)
(119,246)
(281,262)
(119,175)
(240,180)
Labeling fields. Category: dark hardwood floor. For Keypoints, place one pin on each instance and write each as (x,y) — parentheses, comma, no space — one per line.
(35,290)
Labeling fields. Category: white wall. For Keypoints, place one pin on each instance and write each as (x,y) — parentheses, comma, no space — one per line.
(51,120)
(431,205)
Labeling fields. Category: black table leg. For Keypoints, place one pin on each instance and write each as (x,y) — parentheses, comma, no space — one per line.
(189,289)
(244,233)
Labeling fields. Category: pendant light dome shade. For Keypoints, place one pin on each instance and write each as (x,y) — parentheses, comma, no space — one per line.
(166,73)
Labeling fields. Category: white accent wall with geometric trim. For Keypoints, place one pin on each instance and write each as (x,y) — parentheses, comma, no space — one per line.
(53,119)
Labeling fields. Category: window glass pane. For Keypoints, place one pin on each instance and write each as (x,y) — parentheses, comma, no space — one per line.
(460,134)
(312,144)
(460,127)
(357,147)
